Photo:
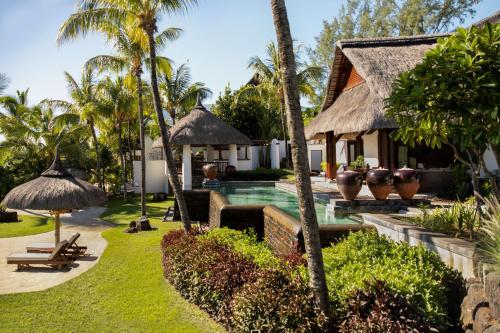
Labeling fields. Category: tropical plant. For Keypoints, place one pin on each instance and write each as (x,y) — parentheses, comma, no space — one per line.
(118,101)
(131,45)
(92,15)
(460,110)
(84,104)
(490,232)
(358,163)
(178,93)
(290,85)
(269,81)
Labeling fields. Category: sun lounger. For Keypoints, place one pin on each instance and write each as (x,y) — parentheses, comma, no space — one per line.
(73,249)
(55,259)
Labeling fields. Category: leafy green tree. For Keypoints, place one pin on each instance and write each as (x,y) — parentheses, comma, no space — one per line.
(384,18)
(92,15)
(249,114)
(178,93)
(453,98)
(270,82)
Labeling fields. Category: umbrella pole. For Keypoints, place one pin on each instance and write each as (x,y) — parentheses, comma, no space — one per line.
(58,226)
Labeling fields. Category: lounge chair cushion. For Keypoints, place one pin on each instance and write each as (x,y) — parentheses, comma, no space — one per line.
(29,256)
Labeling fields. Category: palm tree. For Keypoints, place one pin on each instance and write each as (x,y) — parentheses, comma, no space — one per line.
(131,46)
(93,15)
(268,76)
(178,93)
(84,104)
(118,100)
(299,155)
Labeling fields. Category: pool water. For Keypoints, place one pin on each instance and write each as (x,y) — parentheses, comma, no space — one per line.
(247,194)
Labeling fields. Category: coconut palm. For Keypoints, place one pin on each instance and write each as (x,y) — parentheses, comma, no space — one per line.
(118,100)
(291,94)
(93,15)
(177,91)
(268,76)
(83,103)
(131,46)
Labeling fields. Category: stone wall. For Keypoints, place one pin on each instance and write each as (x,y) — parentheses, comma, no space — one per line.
(197,204)
(481,306)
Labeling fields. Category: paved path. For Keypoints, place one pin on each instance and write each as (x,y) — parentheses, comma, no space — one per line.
(86,222)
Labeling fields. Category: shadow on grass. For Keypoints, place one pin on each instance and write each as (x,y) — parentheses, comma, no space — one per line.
(122,212)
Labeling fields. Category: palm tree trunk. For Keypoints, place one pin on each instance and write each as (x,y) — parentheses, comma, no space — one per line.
(172,171)
(97,155)
(130,158)
(141,138)
(308,217)
(283,125)
(122,161)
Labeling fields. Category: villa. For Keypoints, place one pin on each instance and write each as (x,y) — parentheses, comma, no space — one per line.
(352,121)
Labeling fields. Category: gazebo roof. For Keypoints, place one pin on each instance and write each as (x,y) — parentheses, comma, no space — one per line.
(201,127)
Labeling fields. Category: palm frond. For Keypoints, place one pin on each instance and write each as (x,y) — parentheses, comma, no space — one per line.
(166,36)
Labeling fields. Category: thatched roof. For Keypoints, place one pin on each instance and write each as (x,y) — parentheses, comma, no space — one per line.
(56,190)
(200,127)
(378,61)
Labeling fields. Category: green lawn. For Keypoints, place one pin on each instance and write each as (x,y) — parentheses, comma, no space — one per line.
(29,225)
(124,292)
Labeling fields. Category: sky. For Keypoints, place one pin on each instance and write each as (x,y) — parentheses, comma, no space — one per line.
(219,38)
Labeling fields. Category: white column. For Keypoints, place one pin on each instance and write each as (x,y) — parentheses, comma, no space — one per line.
(187,177)
(166,177)
(233,155)
(210,153)
(275,154)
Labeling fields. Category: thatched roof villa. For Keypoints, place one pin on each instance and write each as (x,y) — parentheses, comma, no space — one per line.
(352,119)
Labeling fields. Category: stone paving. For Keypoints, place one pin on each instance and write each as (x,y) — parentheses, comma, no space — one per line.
(86,222)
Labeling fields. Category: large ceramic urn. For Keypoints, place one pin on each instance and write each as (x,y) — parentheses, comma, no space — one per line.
(230,170)
(210,171)
(349,184)
(380,182)
(406,182)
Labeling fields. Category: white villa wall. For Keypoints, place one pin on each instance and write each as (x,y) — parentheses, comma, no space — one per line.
(370,149)
(156,179)
(254,154)
(315,146)
(341,152)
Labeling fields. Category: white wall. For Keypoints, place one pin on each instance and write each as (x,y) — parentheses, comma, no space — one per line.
(370,149)
(156,180)
(490,161)
(316,146)
(341,152)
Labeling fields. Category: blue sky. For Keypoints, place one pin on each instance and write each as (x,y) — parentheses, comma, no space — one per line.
(219,38)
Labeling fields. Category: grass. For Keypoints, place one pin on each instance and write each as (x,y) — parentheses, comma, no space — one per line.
(124,292)
(29,225)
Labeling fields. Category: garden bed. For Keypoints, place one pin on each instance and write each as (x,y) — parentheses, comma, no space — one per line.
(243,285)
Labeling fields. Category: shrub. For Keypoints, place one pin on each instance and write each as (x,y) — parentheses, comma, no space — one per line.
(276,301)
(456,219)
(412,272)
(490,233)
(246,244)
(205,272)
(375,309)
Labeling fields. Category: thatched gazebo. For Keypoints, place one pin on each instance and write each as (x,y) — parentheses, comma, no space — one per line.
(201,128)
(57,191)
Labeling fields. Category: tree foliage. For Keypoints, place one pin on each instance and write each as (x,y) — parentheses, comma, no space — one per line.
(453,96)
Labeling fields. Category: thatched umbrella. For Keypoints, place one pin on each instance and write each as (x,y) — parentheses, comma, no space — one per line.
(56,191)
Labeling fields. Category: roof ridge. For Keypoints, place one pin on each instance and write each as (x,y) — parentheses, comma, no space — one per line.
(395,40)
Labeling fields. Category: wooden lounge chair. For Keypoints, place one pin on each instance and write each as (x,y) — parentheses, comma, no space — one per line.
(55,259)
(73,249)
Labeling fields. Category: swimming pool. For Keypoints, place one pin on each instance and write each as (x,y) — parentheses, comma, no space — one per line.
(260,194)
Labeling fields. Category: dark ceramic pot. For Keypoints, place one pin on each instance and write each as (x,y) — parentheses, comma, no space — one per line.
(406,182)
(349,184)
(230,170)
(210,171)
(380,182)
